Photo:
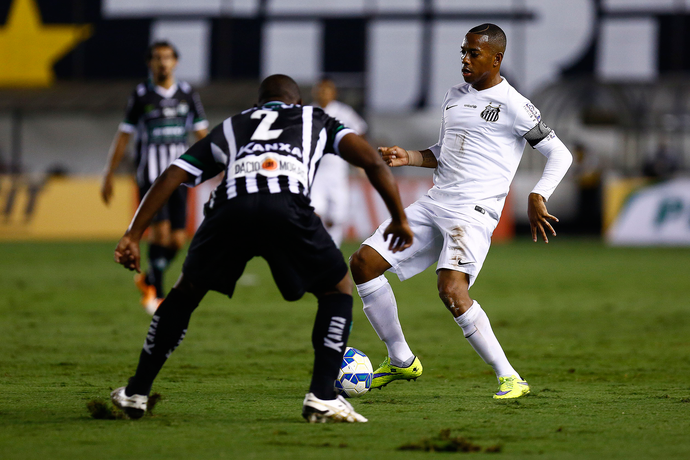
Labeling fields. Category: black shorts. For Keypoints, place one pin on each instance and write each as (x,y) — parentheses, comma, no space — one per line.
(281,228)
(175,210)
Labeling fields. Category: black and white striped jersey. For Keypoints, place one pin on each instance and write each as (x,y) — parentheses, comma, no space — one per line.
(275,148)
(162,119)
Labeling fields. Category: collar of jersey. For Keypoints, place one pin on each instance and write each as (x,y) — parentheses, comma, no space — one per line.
(162,92)
(472,90)
(273,104)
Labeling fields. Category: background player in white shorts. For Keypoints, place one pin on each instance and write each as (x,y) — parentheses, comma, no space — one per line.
(331,190)
(485,126)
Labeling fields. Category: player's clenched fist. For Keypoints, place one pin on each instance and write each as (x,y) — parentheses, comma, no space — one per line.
(127,253)
(394,156)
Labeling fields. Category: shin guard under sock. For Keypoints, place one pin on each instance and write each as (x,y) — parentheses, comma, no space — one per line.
(329,338)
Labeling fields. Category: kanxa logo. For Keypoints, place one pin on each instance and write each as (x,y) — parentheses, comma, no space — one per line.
(334,339)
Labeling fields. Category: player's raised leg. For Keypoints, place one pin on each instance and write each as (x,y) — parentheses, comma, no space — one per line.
(329,338)
(381,310)
(453,289)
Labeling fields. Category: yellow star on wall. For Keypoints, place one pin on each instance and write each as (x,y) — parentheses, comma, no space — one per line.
(29,48)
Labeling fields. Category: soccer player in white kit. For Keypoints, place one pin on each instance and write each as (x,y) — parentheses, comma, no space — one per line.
(330,190)
(485,126)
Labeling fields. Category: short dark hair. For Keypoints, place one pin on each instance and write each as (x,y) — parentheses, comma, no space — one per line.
(279,87)
(495,34)
(160,44)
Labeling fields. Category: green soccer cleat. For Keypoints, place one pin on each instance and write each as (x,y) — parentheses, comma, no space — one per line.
(511,388)
(386,372)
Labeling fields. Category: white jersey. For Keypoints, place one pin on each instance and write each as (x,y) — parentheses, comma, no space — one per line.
(482,138)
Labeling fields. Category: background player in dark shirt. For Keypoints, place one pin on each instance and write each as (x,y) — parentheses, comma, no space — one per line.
(162,112)
(261,208)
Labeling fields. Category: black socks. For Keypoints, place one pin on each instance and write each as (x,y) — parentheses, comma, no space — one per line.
(168,328)
(329,338)
(159,259)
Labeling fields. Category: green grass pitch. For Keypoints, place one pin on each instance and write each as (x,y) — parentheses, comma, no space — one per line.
(602,335)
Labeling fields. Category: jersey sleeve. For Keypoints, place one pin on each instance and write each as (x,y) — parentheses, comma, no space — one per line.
(199,121)
(528,124)
(133,113)
(335,131)
(436,148)
(558,161)
(206,158)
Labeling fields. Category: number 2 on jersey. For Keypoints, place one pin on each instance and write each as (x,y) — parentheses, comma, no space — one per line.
(263,131)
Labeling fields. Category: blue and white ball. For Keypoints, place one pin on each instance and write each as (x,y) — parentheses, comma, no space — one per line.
(356,372)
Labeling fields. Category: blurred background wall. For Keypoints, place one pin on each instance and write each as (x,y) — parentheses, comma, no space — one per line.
(610,76)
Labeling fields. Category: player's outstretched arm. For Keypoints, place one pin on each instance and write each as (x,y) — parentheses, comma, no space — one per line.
(117,151)
(538,215)
(358,152)
(127,250)
(398,156)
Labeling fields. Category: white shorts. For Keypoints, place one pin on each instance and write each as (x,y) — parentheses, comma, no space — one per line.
(457,240)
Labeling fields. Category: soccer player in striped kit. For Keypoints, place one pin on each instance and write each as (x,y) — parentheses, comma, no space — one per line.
(485,126)
(162,112)
(269,154)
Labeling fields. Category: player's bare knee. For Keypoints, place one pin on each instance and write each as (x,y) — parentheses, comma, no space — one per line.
(358,267)
(365,266)
(446,295)
(456,299)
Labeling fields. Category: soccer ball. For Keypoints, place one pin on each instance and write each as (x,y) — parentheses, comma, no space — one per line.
(354,377)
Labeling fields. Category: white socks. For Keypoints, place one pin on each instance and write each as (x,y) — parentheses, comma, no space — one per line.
(477,329)
(382,312)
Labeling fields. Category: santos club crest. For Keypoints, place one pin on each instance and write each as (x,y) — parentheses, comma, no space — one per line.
(490,113)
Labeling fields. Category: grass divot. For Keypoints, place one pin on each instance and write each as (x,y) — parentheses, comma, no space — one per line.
(104,410)
(445,443)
